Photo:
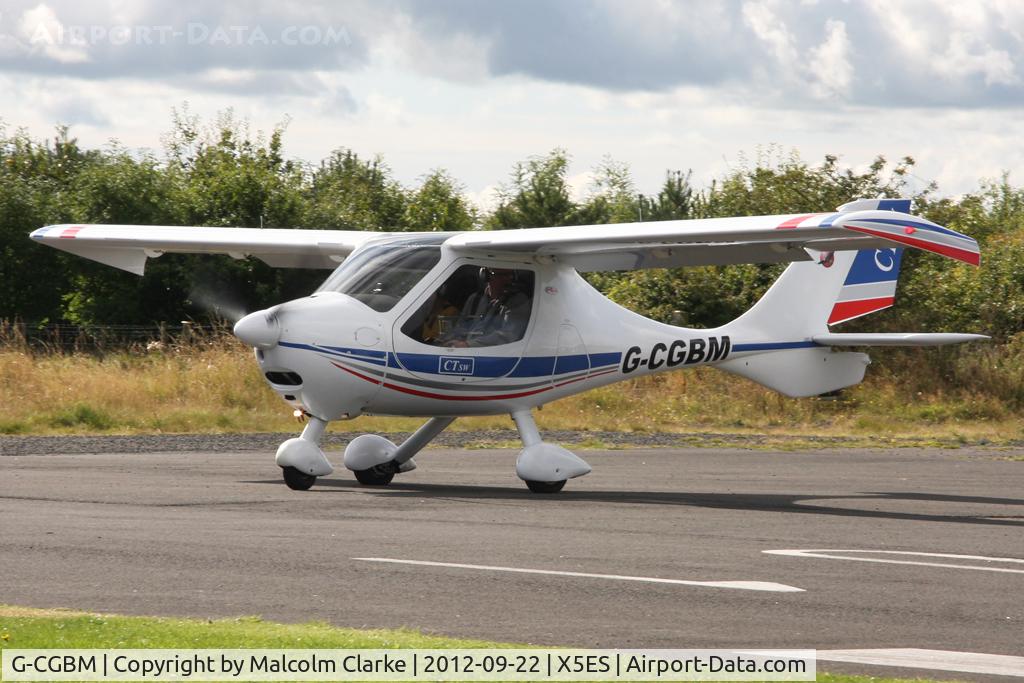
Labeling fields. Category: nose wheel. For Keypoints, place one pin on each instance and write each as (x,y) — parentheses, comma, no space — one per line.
(297,480)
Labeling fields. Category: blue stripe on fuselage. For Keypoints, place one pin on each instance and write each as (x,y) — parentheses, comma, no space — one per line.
(502,366)
(375,357)
(483,366)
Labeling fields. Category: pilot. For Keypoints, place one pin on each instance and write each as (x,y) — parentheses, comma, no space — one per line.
(507,313)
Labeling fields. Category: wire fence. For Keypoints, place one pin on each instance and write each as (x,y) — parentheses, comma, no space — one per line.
(68,338)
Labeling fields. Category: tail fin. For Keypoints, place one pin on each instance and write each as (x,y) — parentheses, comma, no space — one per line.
(834,288)
(783,341)
(783,323)
(786,334)
(870,284)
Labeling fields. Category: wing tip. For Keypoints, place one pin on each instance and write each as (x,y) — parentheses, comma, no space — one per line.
(916,232)
(40,234)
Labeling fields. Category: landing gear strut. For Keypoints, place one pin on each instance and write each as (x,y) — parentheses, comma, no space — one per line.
(375,460)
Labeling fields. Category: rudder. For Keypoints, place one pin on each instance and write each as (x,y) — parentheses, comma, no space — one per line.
(870,285)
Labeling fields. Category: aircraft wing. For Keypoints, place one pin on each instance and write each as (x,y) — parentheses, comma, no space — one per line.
(863,224)
(719,241)
(128,246)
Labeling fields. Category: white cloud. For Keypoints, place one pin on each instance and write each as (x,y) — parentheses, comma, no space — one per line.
(580,185)
(42,32)
(760,16)
(829,63)
(486,199)
(965,58)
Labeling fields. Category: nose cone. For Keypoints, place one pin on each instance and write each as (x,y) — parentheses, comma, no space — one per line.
(259,329)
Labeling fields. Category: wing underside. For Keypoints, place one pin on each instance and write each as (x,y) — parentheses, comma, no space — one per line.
(129,246)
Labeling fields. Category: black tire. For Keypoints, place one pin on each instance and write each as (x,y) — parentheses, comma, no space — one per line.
(381,475)
(298,480)
(545,486)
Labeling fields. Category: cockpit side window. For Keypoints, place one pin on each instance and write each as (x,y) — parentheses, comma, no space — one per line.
(379,276)
(475,307)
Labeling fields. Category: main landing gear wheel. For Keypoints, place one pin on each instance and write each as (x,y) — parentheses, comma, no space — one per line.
(381,475)
(298,480)
(545,486)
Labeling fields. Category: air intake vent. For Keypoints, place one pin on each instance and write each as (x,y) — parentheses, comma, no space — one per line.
(288,379)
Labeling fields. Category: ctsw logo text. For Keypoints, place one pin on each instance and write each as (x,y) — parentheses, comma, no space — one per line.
(455,365)
(679,352)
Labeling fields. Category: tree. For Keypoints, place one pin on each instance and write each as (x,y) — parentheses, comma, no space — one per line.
(673,202)
(348,193)
(613,197)
(779,184)
(36,189)
(438,204)
(537,195)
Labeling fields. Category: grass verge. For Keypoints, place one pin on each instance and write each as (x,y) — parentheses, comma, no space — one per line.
(29,628)
(216,388)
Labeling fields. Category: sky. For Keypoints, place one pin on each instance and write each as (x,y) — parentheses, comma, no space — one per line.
(474,86)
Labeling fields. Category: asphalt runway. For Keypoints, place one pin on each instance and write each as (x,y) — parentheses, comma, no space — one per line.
(218,534)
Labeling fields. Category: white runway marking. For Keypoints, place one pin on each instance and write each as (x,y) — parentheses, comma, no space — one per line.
(936,660)
(740,585)
(830,555)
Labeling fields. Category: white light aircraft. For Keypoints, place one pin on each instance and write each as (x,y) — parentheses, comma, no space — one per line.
(444,325)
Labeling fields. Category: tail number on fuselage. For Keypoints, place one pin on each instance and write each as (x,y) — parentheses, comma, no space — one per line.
(679,352)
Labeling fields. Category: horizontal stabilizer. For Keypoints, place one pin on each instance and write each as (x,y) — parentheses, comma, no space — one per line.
(896,339)
(901,205)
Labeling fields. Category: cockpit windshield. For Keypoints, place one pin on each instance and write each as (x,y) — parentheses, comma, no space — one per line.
(381,275)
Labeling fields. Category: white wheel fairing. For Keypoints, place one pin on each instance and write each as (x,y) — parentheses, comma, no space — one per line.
(303,455)
(549,462)
(368,450)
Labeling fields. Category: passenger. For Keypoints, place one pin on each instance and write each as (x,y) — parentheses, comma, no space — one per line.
(475,306)
(442,312)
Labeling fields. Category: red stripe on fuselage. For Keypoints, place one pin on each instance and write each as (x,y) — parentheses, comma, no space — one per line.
(446,397)
(847,310)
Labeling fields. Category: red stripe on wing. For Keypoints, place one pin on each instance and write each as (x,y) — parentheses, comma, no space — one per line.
(796,221)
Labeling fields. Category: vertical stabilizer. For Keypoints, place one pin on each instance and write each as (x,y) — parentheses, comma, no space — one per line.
(870,285)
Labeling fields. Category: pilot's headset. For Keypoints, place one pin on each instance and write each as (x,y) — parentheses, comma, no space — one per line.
(487,273)
(515,283)
(483,277)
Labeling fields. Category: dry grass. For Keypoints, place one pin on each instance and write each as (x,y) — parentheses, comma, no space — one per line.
(215,386)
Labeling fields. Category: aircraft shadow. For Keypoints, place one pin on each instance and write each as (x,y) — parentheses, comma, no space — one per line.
(782,503)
